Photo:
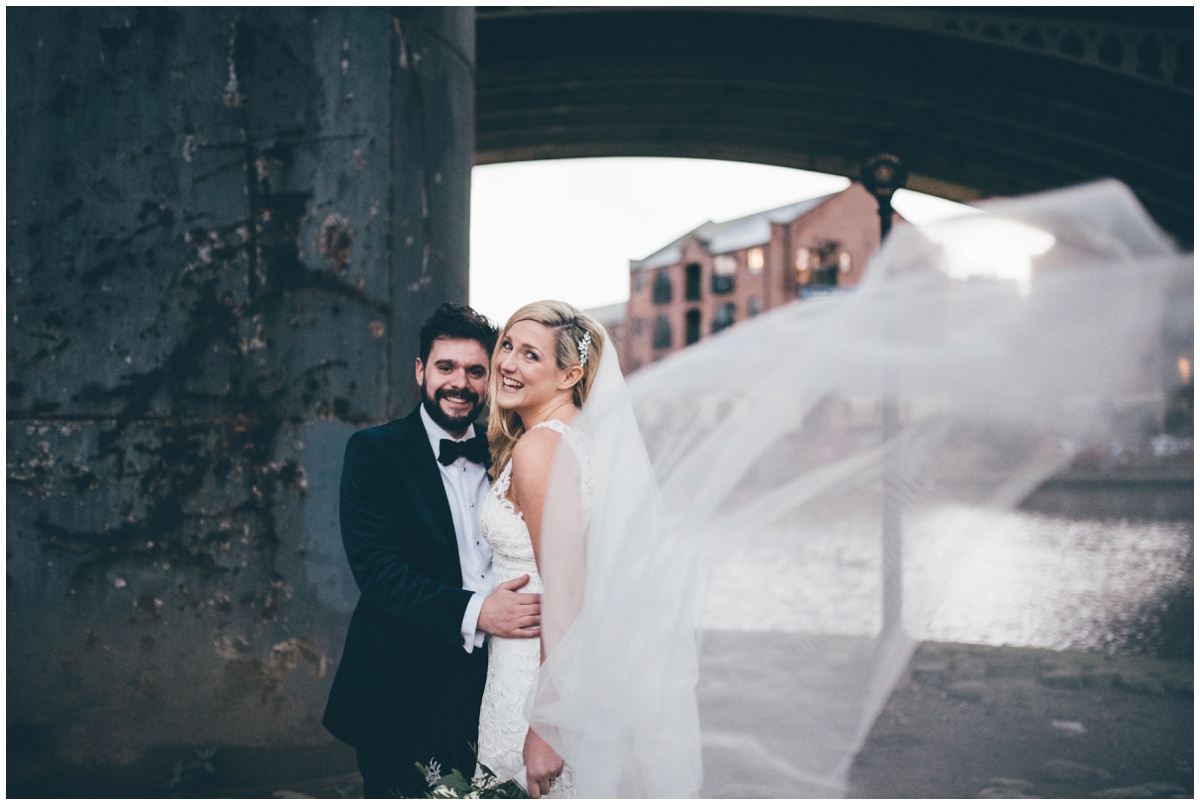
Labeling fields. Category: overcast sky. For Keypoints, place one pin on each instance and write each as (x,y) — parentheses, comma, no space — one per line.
(567,229)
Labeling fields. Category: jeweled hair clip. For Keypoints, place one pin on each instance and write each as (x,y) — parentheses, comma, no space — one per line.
(583,345)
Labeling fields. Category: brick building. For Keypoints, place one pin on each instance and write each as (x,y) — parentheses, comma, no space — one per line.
(722,273)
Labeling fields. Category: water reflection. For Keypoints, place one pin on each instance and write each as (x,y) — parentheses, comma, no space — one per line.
(1053,582)
(1060,572)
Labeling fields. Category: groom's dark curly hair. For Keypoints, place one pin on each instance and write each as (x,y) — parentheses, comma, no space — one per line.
(457,321)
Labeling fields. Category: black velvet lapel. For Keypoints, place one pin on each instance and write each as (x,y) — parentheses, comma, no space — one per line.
(418,459)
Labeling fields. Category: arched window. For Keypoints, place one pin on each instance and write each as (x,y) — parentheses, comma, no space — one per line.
(724,272)
(692,282)
(662,286)
(692,333)
(726,314)
(755,260)
(662,333)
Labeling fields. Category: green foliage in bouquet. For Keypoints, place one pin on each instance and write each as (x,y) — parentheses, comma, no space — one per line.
(457,785)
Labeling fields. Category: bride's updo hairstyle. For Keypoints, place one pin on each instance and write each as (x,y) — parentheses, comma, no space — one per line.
(570,326)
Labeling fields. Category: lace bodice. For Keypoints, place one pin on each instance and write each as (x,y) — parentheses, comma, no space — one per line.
(504,527)
(513,663)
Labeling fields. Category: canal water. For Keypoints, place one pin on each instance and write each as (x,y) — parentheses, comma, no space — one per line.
(1090,567)
(795,665)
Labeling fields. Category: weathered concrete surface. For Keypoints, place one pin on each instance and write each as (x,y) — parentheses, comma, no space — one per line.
(224,228)
(1125,728)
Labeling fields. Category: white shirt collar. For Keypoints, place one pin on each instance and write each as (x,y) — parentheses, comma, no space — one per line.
(436,432)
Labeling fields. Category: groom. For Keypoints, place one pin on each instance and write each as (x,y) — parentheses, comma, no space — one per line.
(411,677)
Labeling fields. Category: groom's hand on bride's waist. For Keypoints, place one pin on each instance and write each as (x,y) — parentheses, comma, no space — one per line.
(508,613)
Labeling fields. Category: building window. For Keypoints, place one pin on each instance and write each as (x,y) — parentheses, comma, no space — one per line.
(639,281)
(692,282)
(725,316)
(662,286)
(828,263)
(639,325)
(754,260)
(722,285)
(724,271)
(753,307)
(821,264)
(802,266)
(662,333)
(692,334)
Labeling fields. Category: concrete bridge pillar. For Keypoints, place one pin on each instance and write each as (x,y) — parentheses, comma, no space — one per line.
(224,228)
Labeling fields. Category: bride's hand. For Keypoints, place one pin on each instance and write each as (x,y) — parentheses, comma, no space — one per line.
(542,765)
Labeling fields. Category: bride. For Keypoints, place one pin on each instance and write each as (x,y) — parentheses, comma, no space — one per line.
(575,489)
(542,370)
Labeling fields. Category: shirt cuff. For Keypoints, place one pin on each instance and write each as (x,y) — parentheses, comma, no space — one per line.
(472,637)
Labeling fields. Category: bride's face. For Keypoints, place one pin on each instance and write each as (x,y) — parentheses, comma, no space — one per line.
(527,372)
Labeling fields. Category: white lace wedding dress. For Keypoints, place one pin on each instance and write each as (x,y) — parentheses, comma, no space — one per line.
(513,663)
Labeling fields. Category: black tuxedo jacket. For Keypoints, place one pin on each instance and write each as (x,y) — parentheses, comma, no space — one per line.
(404,680)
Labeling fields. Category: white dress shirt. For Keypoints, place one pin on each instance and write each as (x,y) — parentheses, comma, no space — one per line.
(466,486)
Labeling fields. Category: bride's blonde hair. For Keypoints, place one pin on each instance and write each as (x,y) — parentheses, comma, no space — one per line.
(570,325)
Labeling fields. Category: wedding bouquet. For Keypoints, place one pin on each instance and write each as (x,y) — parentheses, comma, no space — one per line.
(457,785)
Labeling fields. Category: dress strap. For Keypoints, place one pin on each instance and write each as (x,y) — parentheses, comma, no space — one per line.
(581,447)
(574,438)
(504,479)
(500,485)
(554,424)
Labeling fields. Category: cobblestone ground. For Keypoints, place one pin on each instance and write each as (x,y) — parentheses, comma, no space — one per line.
(983,722)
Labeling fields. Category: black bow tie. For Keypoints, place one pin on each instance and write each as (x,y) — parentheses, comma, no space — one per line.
(474,449)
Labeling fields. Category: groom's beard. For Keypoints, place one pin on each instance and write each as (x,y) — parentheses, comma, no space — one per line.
(449,423)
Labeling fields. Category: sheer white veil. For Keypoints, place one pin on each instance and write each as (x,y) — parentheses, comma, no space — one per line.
(732,594)
(617,686)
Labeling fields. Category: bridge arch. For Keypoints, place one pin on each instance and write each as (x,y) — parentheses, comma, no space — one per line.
(980,102)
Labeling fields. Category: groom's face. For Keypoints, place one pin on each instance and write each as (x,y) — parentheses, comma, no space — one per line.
(453,381)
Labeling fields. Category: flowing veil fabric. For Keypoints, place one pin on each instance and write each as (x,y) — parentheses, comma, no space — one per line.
(730,593)
(617,686)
